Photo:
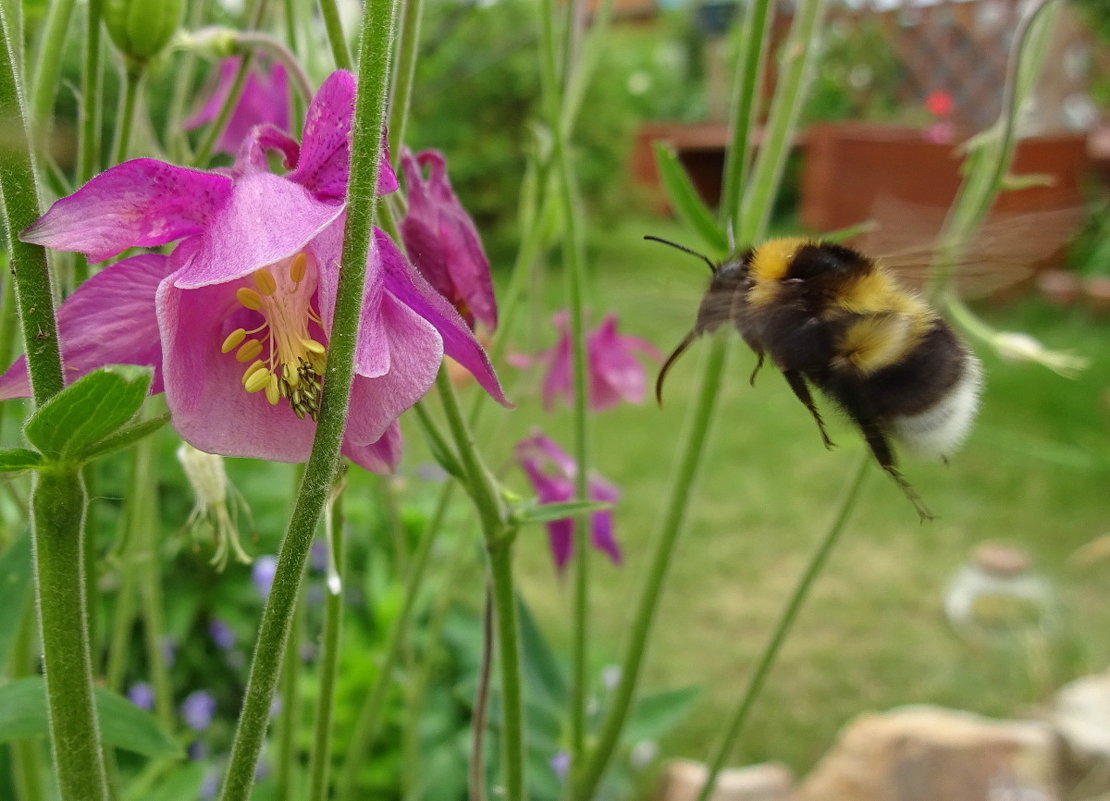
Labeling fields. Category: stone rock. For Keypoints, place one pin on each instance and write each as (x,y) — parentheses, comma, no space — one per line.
(684,778)
(924,753)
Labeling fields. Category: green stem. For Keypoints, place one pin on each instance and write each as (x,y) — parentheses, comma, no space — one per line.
(216,127)
(786,107)
(689,464)
(745,105)
(498,536)
(574,265)
(290,714)
(26,755)
(34,297)
(407,53)
(48,67)
(340,51)
(786,622)
(132,83)
(369,716)
(177,143)
(320,761)
(145,534)
(88,152)
(323,461)
(58,508)
(279,52)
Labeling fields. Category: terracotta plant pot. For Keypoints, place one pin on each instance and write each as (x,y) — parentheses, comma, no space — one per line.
(1097,293)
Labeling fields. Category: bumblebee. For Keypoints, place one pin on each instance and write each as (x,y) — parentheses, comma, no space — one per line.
(830,317)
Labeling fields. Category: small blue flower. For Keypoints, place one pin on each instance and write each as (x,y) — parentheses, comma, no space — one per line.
(197,710)
(141,695)
(262,574)
(560,764)
(221,634)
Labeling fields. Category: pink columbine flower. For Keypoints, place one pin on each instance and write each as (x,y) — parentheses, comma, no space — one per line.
(236,320)
(552,472)
(614,374)
(264,100)
(442,241)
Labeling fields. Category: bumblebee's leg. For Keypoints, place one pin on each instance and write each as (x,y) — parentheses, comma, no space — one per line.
(868,424)
(801,389)
(758,364)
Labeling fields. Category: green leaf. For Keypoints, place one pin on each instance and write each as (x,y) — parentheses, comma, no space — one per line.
(15,592)
(686,201)
(531,512)
(540,662)
(126,437)
(19,459)
(96,406)
(657,713)
(184,782)
(122,724)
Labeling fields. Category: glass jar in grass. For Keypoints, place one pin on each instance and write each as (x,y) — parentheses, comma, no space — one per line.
(998,591)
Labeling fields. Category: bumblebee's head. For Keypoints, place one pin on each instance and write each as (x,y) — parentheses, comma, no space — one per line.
(728,277)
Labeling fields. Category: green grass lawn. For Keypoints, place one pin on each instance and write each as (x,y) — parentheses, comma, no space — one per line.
(1034,472)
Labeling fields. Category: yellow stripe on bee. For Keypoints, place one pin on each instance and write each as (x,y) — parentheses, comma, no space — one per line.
(769,264)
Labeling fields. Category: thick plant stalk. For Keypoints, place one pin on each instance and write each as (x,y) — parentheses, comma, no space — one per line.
(323,461)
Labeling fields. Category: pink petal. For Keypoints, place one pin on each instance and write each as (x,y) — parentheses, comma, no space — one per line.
(408,286)
(378,457)
(210,408)
(325,161)
(109,320)
(258,140)
(601,523)
(140,203)
(413,351)
(267,218)
(264,100)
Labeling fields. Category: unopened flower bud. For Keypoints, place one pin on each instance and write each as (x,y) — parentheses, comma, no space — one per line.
(141,28)
(208,479)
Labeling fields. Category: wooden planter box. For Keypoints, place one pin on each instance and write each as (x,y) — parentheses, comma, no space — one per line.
(855,172)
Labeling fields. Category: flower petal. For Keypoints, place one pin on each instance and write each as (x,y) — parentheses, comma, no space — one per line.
(382,456)
(109,320)
(265,220)
(264,99)
(601,523)
(408,286)
(140,203)
(210,408)
(413,351)
(255,143)
(325,162)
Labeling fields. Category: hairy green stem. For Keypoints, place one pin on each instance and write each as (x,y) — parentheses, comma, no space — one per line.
(125,121)
(574,265)
(58,507)
(290,715)
(785,623)
(88,151)
(498,535)
(48,68)
(340,51)
(323,461)
(319,763)
(407,53)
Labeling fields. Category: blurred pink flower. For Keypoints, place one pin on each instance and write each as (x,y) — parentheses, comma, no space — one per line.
(264,100)
(238,317)
(614,374)
(552,473)
(442,241)
(939,103)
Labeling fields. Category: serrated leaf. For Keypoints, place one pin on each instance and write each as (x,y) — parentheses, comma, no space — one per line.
(91,409)
(19,459)
(15,592)
(685,200)
(545,513)
(122,724)
(126,437)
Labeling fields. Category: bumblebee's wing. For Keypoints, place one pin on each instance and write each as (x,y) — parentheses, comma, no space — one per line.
(1006,250)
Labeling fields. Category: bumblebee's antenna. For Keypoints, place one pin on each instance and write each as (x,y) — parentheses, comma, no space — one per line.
(684,249)
(682,346)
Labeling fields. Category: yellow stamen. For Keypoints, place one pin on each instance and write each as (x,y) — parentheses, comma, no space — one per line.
(254,368)
(260,379)
(313,346)
(264,281)
(248,351)
(233,340)
(249,298)
(298,267)
(272,394)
